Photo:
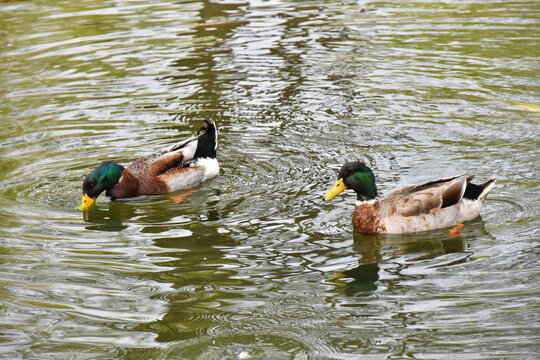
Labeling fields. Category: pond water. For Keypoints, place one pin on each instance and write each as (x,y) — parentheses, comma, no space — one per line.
(253,262)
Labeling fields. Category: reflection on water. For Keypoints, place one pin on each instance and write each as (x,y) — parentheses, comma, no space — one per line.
(364,278)
(435,249)
(111,220)
(253,260)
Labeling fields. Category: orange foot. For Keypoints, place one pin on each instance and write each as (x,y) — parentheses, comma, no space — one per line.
(455,231)
(180,197)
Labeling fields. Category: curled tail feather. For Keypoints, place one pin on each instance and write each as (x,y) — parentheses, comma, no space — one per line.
(207,142)
(478,192)
(487,186)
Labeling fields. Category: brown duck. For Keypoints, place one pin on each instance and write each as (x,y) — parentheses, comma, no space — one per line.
(432,205)
(180,166)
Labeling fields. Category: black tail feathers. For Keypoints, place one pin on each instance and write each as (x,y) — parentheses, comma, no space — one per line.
(473,192)
(207,142)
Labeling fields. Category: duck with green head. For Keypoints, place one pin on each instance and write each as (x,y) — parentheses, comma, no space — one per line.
(179,166)
(432,205)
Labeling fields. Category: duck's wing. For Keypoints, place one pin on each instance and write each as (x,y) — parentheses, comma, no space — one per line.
(187,146)
(423,198)
(160,161)
(180,165)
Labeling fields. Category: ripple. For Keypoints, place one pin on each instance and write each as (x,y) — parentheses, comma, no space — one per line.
(512,211)
(258,344)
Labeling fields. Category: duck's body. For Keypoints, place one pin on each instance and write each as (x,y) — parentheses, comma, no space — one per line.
(432,205)
(177,167)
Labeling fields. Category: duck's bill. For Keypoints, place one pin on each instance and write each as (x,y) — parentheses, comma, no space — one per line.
(86,202)
(338,187)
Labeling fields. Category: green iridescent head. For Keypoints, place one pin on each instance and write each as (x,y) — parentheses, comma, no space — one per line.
(356,176)
(102,178)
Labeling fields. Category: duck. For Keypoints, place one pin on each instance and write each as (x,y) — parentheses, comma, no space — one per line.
(182,165)
(432,205)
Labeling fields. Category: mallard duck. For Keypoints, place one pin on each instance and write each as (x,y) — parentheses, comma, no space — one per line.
(432,205)
(179,166)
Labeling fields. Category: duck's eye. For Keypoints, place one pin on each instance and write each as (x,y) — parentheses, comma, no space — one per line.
(92,184)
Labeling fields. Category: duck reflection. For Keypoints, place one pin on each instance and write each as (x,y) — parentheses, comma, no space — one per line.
(192,262)
(422,246)
(110,219)
(364,278)
(435,247)
(159,210)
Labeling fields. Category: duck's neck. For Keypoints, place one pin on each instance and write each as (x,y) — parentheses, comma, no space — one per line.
(363,183)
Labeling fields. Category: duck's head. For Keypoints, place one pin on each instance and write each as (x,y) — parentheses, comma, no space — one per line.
(102,178)
(357,176)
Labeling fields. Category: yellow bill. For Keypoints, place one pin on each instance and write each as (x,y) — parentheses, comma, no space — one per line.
(86,202)
(336,189)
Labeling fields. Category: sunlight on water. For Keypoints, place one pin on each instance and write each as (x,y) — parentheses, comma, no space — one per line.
(254,262)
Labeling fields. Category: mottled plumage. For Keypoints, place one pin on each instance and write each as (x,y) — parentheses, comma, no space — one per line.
(432,205)
(180,166)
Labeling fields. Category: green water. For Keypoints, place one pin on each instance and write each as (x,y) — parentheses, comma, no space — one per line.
(418,90)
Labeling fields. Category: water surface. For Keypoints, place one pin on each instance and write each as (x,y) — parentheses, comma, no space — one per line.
(254,261)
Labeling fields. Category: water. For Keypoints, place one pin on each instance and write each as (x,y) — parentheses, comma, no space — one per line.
(254,261)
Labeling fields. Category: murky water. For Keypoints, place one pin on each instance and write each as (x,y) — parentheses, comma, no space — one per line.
(246,262)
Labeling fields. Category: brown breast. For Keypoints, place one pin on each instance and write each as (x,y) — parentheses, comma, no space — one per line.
(366,218)
(131,186)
